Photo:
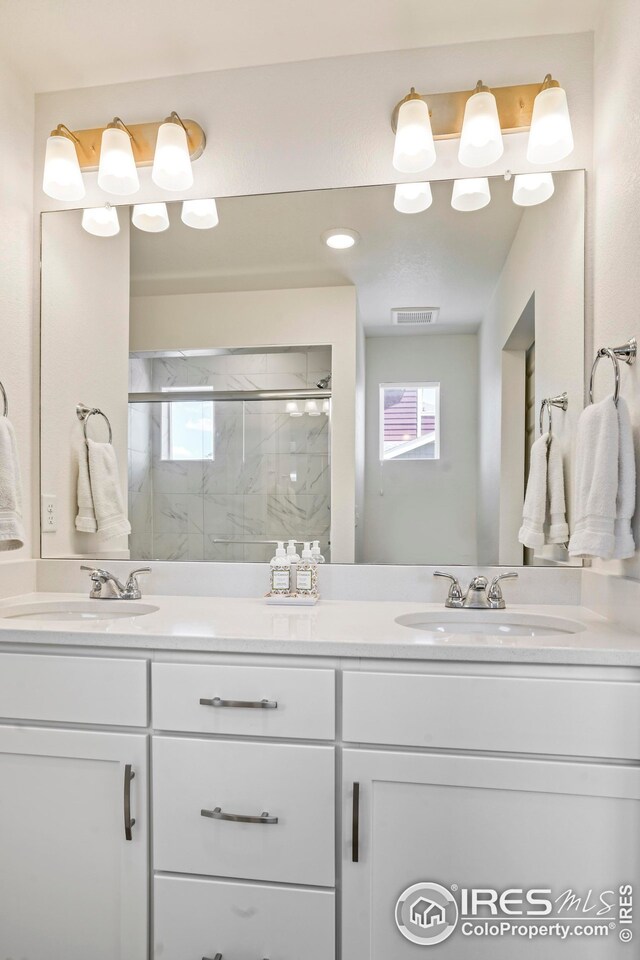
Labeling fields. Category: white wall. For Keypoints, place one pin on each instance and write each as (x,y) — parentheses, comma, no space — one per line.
(616,211)
(423,511)
(260,318)
(546,260)
(18,353)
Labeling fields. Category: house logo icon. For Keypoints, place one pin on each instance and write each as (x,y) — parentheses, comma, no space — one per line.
(426,913)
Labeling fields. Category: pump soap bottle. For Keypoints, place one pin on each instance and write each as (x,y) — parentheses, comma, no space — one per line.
(307,579)
(280,585)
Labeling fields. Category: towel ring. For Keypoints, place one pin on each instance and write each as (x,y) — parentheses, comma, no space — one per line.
(626,352)
(3,392)
(84,413)
(561,401)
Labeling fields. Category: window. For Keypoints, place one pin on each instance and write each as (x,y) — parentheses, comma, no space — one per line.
(409,421)
(187,430)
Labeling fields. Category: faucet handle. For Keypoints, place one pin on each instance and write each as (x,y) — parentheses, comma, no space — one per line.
(455,597)
(132,587)
(494,594)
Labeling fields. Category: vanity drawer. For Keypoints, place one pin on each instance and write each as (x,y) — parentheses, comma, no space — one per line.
(201,918)
(590,718)
(301,703)
(294,784)
(73,689)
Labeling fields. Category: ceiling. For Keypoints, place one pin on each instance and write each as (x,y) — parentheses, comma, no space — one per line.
(61,44)
(438,258)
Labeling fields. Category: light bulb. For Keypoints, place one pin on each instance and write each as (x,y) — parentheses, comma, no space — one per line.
(292,409)
(414,149)
(171,161)
(550,137)
(311,407)
(481,138)
(471,194)
(532,188)
(117,172)
(101,221)
(150,217)
(412,197)
(200,214)
(62,178)
(341,238)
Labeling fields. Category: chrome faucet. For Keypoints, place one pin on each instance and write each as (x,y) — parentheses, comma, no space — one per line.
(120,591)
(480,595)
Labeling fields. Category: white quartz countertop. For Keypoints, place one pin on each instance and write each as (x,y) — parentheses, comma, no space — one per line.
(335,628)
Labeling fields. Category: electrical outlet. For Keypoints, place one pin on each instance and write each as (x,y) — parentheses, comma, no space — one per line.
(49,514)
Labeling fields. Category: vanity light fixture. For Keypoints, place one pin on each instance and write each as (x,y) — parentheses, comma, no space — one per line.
(414,150)
(150,217)
(117,172)
(481,137)
(62,178)
(530,189)
(340,238)
(412,197)
(551,136)
(171,161)
(200,214)
(471,194)
(101,221)
(293,409)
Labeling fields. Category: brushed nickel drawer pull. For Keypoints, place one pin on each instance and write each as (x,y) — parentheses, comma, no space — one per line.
(218,814)
(355,824)
(249,704)
(129,821)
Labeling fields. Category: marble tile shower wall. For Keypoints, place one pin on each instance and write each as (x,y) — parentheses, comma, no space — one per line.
(269,478)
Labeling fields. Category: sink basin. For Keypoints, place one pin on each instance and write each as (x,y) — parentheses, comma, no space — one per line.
(78,610)
(495,623)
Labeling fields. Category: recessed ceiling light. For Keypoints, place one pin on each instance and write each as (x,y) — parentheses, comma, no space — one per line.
(340,238)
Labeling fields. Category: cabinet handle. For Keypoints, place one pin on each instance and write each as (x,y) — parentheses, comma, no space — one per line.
(355,824)
(250,704)
(128,819)
(218,814)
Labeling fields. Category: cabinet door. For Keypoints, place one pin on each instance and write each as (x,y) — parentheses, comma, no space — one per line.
(491,823)
(72,885)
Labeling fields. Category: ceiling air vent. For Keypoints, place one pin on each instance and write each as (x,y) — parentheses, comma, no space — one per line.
(414,316)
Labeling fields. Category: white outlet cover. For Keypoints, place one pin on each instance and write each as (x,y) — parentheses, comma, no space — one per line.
(49,513)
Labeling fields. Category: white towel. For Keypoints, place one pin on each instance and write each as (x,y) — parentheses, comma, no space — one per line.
(534,513)
(624,546)
(596,486)
(100,503)
(11,525)
(557,530)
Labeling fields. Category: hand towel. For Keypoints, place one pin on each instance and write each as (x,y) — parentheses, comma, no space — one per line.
(86,516)
(596,486)
(531,532)
(11,524)
(100,503)
(557,530)
(624,546)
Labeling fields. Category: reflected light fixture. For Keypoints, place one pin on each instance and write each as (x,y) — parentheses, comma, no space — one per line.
(481,137)
(471,194)
(171,161)
(117,171)
(532,188)
(200,214)
(293,409)
(150,217)
(550,137)
(326,407)
(62,178)
(414,149)
(340,238)
(311,407)
(412,197)
(101,221)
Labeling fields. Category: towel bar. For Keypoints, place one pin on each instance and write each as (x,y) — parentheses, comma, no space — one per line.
(84,413)
(626,352)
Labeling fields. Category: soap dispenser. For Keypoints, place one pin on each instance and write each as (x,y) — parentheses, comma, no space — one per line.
(315,552)
(280,585)
(307,579)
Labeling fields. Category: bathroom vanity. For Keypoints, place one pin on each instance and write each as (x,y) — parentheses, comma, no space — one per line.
(219,779)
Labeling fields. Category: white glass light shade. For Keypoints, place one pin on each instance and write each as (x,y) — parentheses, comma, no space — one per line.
(414,149)
(150,217)
(481,138)
(412,197)
(532,188)
(471,194)
(200,214)
(292,409)
(171,160)
(550,137)
(101,221)
(62,178)
(311,407)
(117,172)
(326,407)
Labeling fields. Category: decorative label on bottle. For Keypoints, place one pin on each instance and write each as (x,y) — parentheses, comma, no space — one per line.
(304,581)
(280,581)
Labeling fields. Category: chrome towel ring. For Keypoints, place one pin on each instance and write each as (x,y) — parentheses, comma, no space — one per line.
(561,401)
(627,352)
(84,413)
(5,401)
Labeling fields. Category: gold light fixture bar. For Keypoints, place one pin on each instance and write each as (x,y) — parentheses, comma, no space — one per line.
(515,108)
(143,142)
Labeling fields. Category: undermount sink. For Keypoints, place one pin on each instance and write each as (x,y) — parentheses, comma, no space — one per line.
(77,610)
(495,623)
